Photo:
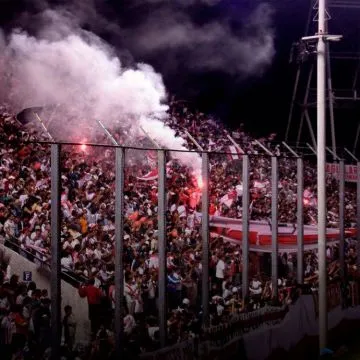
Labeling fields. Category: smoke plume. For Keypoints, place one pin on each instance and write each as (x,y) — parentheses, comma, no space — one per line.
(78,71)
(53,60)
(215,45)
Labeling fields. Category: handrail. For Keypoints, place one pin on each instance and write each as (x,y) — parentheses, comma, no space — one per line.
(67,273)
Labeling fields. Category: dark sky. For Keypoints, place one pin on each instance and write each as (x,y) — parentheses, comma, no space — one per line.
(261,100)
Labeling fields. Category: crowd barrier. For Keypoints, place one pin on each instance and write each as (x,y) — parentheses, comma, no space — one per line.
(181,351)
(244,323)
(254,336)
(37,257)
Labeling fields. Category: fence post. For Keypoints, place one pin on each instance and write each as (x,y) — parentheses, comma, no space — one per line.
(162,246)
(205,238)
(119,250)
(300,220)
(274,224)
(55,252)
(358,214)
(342,216)
(245,226)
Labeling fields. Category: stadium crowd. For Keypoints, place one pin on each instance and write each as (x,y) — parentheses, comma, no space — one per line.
(87,243)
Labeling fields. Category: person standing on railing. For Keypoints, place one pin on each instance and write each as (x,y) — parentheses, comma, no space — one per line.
(94,296)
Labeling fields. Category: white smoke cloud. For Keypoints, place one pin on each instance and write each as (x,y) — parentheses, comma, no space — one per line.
(162,134)
(78,71)
(212,46)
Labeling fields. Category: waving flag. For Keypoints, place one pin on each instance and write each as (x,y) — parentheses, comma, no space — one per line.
(235,153)
(154,173)
(150,176)
(229,198)
(151,157)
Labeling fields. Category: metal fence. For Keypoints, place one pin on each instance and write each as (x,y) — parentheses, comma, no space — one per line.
(120,155)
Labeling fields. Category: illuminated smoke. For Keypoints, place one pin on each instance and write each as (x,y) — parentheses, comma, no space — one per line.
(77,70)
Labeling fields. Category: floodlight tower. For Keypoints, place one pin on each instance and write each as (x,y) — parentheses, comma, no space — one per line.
(342,86)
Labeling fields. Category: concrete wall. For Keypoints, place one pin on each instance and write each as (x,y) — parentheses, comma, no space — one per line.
(69,294)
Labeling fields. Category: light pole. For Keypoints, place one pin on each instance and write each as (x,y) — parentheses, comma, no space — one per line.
(321,180)
(321,38)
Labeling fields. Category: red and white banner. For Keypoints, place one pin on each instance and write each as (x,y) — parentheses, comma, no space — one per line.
(350,171)
(235,153)
(229,198)
(153,174)
(150,176)
(152,157)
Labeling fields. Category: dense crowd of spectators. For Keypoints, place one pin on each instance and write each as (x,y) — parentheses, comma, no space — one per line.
(88,231)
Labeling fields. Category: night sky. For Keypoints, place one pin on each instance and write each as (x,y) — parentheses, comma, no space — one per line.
(259,100)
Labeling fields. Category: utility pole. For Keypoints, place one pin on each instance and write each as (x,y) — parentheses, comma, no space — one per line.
(321,179)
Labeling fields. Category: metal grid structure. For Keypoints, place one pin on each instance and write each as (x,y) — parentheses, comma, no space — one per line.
(120,155)
(342,92)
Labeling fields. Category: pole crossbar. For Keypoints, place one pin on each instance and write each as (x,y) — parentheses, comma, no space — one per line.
(290,149)
(336,157)
(108,134)
(193,141)
(44,127)
(264,148)
(235,144)
(311,148)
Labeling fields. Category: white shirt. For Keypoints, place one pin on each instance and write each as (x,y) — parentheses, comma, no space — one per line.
(182,211)
(154,262)
(220,268)
(66,262)
(255,287)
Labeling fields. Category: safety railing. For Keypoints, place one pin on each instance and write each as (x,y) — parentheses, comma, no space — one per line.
(37,257)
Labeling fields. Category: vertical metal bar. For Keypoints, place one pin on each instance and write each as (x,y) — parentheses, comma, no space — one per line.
(300,220)
(55,252)
(298,138)
(331,100)
(307,117)
(356,139)
(342,216)
(205,238)
(356,76)
(274,224)
(162,246)
(305,108)
(245,226)
(321,175)
(119,250)
(358,214)
(292,103)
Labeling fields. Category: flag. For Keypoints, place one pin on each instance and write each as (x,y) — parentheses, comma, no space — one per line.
(229,198)
(151,157)
(153,174)
(150,176)
(235,153)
